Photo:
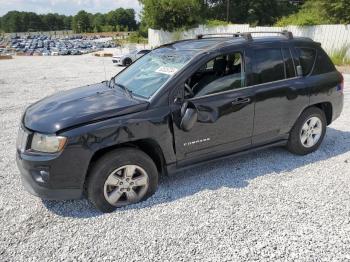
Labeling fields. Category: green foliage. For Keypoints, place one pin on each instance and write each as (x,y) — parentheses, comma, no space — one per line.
(338,11)
(317,12)
(171,14)
(116,20)
(81,22)
(339,57)
(143,29)
(121,19)
(311,13)
(15,21)
(254,12)
(215,22)
(136,37)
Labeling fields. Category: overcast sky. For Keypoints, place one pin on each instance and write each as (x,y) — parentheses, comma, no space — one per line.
(67,7)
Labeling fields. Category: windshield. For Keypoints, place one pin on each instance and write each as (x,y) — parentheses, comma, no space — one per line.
(149,73)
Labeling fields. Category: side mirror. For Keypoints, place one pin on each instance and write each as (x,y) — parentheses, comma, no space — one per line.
(189,118)
(299,71)
(178,100)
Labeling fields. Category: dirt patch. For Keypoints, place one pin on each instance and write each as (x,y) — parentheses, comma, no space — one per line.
(344,69)
(5,57)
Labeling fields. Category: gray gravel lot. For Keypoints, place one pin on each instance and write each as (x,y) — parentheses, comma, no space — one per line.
(269,205)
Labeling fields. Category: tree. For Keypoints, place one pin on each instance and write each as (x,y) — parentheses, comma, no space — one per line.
(316,12)
(53,21)
(254,12)
(121,19)
(99,21)
(338,11)
(171,14)
(12,22)
(311,13)
(81,22)
(67,22)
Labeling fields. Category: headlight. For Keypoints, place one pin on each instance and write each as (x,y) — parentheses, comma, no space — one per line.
(47,143)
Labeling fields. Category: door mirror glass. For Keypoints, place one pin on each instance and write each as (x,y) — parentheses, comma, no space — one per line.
(299,70)
(178,100)
(188,119)
(183,108)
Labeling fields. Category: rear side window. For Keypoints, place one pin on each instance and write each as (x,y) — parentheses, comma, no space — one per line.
(288,61)
(267,66)
(307,58)
(323,63)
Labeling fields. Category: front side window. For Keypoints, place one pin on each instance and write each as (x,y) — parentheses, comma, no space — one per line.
(267,66)
(223,73)
(149,73)
(288,61)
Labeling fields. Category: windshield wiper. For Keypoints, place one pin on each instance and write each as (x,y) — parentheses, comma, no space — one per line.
(127,91)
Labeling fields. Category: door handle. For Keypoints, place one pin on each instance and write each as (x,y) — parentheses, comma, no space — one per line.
(241,101)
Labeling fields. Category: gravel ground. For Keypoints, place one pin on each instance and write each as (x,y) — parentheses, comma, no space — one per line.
(269,205)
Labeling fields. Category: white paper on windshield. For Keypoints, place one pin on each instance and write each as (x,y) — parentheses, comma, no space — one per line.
(166,70)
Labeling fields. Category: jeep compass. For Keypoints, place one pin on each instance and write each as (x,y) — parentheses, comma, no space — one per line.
(182,104)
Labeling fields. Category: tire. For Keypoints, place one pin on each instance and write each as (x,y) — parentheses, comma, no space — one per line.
(127,61)
(108,179)
(297,143)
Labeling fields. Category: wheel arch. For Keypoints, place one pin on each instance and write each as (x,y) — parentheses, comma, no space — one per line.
(327,108)
(148,146)
(125,58)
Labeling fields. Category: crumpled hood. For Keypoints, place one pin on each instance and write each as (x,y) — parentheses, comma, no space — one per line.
(78,106)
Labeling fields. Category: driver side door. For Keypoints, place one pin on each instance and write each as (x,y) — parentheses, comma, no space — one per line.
(225,111)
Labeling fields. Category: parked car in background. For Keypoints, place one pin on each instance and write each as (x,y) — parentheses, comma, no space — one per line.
(182,104)
(127,59)
(49,45)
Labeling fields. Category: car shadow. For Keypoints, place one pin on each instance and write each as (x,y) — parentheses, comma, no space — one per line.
(235,172)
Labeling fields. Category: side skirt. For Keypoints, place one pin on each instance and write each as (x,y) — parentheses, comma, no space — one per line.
(174,168)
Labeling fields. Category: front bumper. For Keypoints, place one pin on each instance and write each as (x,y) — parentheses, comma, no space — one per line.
(117,61)
(36,181)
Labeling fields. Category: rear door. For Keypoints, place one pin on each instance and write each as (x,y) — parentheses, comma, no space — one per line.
(280,94)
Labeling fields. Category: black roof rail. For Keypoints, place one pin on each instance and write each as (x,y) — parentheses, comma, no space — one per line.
(287,34)
(248,35)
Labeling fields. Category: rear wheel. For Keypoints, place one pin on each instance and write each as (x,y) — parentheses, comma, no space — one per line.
(308,132)
(121,177)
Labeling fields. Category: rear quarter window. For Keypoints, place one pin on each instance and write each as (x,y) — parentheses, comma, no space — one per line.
(307,58)
(323,63)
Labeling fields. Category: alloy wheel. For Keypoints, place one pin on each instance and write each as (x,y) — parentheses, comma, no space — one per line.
(126,185)
(311,132)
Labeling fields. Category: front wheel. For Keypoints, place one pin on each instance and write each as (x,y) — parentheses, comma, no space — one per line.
(308,132)
(127,61)
(122,177)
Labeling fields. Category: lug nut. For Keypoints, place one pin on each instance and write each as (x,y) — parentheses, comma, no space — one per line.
(120,183)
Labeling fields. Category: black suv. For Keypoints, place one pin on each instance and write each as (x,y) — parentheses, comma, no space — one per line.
(181,104)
